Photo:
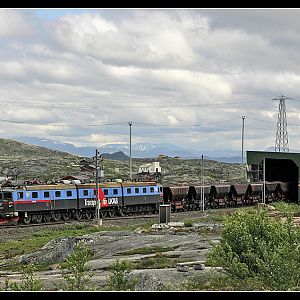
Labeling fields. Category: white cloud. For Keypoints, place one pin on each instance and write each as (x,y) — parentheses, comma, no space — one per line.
(14,23)
(172,67)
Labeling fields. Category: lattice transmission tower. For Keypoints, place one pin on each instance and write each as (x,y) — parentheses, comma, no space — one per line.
(282,142)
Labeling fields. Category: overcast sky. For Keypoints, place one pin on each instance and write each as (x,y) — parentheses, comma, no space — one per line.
(181,76)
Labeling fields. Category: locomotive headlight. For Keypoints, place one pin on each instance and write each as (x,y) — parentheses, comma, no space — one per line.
(16,213)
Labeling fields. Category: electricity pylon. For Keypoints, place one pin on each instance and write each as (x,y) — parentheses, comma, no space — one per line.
(282,142)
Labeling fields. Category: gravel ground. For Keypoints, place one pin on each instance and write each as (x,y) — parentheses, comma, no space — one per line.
(16,233)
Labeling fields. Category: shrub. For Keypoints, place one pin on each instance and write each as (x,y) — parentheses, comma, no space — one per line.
(188,223)
(254,247)
(74,270)
(28,281)
(119,280)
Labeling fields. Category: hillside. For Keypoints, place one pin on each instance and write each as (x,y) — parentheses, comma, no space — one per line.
(182,171)
(29,162)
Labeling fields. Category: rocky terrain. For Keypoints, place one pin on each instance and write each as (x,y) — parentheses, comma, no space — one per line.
(154,251)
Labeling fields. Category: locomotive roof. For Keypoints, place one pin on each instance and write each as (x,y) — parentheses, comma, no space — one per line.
(62,186)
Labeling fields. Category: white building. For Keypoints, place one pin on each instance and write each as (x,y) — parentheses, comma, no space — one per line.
(150,168)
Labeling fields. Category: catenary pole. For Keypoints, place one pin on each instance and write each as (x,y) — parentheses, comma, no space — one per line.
(202,182)
(264,178)
(130,160)
(243,129)
(98,204)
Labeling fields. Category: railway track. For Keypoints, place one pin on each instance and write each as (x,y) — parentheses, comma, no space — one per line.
(148,216)
(77,221)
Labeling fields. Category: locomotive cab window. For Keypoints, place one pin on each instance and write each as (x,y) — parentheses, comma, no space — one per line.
(144,190)
(137,190)
(129,191)
(34,194)
(57,193)
(115,191)
(105,191)
(69,193)
(151,189)
(20,195)
(46,194)
(7,195)
(85,192)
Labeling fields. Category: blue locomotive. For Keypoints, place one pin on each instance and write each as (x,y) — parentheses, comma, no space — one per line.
(46,203)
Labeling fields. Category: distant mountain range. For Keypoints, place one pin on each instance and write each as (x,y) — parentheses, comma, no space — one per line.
(139,150)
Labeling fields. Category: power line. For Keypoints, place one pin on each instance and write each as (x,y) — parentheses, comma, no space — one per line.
(146,105)
(139,124)
(255,119)
(186,125)
(58,125)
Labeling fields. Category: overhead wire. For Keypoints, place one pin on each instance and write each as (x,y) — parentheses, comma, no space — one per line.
(119,123)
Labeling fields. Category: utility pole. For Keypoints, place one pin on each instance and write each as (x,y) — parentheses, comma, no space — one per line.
(243,128)
(264,184)
(282,143)
(202,183)
(98,204)
(130,161)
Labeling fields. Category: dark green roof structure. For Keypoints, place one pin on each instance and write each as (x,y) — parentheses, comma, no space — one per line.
(279,166)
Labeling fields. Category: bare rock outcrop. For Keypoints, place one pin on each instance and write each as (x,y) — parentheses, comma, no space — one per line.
(54,252)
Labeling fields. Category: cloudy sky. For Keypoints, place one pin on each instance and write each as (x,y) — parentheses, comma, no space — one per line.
(181,76)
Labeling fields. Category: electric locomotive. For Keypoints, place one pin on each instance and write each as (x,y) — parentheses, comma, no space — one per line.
(46,203)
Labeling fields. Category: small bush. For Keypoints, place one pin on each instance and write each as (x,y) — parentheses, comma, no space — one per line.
(255,248)
(28,281)
(118,280)
(188,223)
(76,275)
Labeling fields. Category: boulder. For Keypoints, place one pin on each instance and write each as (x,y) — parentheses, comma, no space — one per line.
(160,226)
(146,282)
(53,252)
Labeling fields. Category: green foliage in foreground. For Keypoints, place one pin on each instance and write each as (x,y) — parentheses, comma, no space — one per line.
(118,280)
(74,270)
(28,281)
(256,249)
(286,207)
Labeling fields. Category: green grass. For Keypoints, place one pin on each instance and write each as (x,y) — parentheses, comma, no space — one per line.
(17,267)
(35,241)
(286,207)
(188,223)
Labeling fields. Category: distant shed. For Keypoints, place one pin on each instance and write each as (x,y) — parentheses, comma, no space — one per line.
(279,166)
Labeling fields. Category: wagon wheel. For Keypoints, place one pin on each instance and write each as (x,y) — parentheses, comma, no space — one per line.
(78,215)
(56,216)
(37,218)
(88,215)
(26,220)
(121,212)
(46,218)
(65,216)
(214,205)
(111,213)
(232,203)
